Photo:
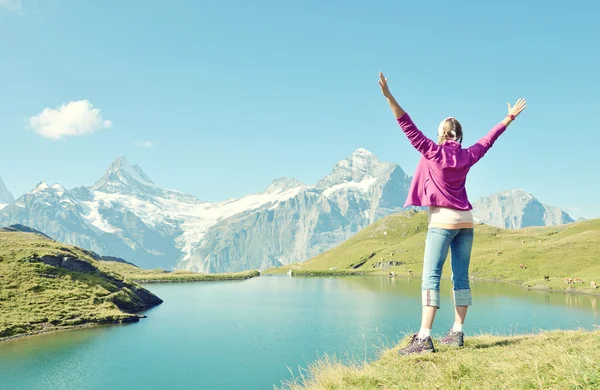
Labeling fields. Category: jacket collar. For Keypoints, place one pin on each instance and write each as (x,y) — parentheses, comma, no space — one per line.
(453,144)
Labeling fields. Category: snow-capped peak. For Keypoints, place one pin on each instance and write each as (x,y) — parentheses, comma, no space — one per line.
(283,184)
(41,187)
(58,189)
(46,191)
(361,159)
(122,165)
(123,177)
(361,165)
(362,152)
(517,193)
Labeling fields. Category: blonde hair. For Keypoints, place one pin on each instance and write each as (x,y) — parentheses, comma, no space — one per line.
(449,129)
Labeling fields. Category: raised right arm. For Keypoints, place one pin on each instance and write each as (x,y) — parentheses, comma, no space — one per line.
(480,148)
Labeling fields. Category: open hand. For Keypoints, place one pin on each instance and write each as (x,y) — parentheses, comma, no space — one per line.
(384,86)
(519,106)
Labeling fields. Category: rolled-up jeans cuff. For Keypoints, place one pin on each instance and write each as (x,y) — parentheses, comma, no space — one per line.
(462,297)
(431,298)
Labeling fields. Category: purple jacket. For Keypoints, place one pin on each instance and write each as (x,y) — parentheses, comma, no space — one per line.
(442,171)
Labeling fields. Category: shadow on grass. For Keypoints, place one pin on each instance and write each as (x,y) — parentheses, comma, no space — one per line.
(501,343)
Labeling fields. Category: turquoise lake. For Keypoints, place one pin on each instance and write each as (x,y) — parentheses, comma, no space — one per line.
(250,334)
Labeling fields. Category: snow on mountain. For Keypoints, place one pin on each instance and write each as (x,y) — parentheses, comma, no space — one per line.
(361,165)
(40,188)
(362,185)
(283,184)
(517,209)
(122,177)
(305,221)
(126,214)
(5,195)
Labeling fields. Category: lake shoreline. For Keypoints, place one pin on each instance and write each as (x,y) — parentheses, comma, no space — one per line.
(305,273)
(135,318)
(346,273)
(149,279)
(539,287)
(57,329)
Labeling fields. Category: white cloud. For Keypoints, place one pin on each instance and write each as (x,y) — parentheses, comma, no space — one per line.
(144,144)
(70,119)
(11,5)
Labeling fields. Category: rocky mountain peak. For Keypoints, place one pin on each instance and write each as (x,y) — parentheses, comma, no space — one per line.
(283,184)
(5,195)
(40,187)
(125,178)
(515,209)
(360,165)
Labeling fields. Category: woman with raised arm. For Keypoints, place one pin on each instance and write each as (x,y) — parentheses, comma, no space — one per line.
(439,184)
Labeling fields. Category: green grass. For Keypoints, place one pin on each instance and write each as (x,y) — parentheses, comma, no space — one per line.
(558,251)
(38,297)
(549,360)
(159,275)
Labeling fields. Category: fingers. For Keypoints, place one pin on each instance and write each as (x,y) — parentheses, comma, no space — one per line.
(519,106)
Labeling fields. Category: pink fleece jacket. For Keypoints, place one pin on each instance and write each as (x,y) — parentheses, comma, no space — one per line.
(441,175)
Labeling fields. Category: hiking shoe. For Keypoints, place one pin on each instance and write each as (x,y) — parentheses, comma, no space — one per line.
(453,339)
(418,345)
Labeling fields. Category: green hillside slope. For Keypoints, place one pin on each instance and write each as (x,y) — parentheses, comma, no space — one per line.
(566,251)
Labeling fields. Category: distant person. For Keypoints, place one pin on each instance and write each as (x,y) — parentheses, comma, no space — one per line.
(439,184)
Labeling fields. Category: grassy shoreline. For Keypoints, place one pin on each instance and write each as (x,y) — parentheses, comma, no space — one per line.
(140,279)
(160,275)
(548,360)
(89,325)
(178,278)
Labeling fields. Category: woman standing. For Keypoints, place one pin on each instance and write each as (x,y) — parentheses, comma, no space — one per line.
(439,184)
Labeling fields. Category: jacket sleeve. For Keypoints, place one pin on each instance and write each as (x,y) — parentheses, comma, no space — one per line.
(429,149)
(477,151)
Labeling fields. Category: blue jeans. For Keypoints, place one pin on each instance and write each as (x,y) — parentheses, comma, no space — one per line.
(460,242)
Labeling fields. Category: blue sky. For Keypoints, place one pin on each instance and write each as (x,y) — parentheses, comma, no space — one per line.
(218,98)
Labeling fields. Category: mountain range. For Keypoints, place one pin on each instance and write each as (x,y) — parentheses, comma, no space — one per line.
(126,214)
(517,209)
(5,195)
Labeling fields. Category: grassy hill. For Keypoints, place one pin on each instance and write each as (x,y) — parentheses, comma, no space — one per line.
(571,250)
(46,285)
(550,360)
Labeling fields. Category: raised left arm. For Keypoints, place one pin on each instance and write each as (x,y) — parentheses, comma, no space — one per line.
(417,139)
(396,109)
